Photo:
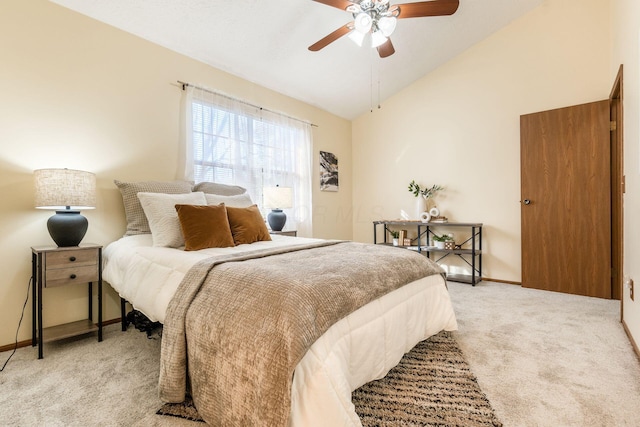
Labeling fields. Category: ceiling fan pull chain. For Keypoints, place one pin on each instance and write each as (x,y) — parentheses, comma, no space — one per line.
(370,82)
(378,85)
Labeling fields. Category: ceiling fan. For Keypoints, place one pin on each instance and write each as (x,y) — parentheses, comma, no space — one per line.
(378,18)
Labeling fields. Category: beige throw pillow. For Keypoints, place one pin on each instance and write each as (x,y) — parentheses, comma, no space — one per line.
(237,201)
(220,189)
(163,218)
(136,219)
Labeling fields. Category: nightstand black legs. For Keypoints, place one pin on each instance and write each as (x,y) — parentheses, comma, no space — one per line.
(34,299)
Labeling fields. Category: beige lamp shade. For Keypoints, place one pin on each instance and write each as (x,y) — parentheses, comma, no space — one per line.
(65,189)
(278,197)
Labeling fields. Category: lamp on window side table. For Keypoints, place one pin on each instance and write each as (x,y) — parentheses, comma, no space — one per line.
(277,198)
(67,191)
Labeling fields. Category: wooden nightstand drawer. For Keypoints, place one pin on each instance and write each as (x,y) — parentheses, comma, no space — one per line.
(70,275)
(72,258)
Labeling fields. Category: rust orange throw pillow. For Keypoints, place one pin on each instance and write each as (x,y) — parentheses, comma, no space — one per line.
(204,227)
(247,225)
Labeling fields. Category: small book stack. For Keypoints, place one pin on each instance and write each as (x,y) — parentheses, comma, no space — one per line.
(402,237)
(439,219)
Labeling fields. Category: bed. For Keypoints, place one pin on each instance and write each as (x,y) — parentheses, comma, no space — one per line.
(240,379)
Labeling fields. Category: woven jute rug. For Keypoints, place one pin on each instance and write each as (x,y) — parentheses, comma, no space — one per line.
(431,386)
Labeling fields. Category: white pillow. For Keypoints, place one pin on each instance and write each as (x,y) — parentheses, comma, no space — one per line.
(220,189)
(161,213)
(237,201)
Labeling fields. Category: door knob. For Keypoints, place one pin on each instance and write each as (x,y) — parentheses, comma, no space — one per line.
(526,201)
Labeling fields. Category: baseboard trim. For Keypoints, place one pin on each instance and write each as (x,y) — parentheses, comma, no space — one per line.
(27,343)
(631,340)
(111,322)
(9,347)
(508,282)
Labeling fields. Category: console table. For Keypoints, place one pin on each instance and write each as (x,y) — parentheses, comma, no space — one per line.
(469,249)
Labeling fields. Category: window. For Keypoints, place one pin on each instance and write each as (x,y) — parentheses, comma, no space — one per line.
(234,143)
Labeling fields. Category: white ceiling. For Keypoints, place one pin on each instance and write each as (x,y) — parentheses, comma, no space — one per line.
(266,42)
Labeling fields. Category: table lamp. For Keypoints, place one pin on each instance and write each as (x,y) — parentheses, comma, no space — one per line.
(277,198)
(67,191)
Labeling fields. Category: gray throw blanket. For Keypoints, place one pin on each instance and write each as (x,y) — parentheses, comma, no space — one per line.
(244,326)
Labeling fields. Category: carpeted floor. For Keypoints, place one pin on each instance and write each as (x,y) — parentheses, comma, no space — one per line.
(541,358)
(431,386)
(546,358)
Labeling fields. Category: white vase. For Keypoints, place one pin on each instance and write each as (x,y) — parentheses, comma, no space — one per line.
(421,206)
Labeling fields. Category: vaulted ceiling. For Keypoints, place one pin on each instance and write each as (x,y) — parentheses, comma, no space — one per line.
(266,41)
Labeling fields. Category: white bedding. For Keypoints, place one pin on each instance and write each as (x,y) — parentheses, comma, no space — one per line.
(359,348)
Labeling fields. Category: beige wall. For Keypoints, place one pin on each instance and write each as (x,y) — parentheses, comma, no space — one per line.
(626,50)
(459,125)
(80,94)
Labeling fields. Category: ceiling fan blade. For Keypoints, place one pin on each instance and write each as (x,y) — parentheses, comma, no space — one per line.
(386,49)
(345,29)
(428,8)
(340,4)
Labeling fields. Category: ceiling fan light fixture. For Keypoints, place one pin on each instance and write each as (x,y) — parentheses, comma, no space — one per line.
(363,22)
(357,37)
(379,18)
(378,39)
(387,24)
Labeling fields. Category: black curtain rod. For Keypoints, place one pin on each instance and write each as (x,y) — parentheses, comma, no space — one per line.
(184,86)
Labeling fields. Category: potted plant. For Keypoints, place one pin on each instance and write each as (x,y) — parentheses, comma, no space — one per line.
(439,241)
(395,235)
(423,195)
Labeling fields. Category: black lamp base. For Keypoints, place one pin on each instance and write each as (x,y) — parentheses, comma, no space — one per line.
(67,228)
(277,219)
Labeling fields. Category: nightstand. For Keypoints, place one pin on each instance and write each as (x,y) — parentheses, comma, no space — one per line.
(291,233)
(53,266)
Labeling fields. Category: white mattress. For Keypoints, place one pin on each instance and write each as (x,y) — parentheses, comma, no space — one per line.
(148,276)
(360,348)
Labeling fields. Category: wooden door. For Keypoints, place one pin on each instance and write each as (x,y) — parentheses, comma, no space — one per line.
(617,188)
(566,200)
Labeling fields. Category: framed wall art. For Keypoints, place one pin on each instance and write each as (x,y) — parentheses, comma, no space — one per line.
(328,171)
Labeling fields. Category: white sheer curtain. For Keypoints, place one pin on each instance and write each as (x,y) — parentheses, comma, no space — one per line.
(231,142)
